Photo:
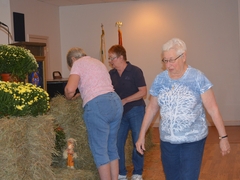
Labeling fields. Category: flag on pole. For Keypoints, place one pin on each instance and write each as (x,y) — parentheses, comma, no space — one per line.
(119,36)
(119,24)
(103,47)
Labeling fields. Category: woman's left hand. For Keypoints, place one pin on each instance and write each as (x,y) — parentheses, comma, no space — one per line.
(225,146)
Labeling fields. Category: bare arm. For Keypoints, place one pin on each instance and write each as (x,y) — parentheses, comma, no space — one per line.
(151,111)
(211,106)
(71,86)
(142,91)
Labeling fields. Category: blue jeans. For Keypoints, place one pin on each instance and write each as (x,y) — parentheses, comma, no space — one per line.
(182,161)
(102,116)
(132,120)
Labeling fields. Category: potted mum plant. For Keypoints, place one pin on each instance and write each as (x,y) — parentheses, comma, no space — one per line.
(17,61)
(22,99)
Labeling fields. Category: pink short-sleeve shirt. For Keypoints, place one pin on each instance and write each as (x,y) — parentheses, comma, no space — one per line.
(94,78)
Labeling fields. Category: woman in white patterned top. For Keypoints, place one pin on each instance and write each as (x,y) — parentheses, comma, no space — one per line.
(181,93)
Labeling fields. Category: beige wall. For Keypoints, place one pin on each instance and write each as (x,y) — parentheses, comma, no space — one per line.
(43,20)
(6,19)
(210,29)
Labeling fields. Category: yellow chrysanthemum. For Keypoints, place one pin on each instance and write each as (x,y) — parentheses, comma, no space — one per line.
(22,99)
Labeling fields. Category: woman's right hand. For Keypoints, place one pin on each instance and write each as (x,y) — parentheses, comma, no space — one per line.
(140,145)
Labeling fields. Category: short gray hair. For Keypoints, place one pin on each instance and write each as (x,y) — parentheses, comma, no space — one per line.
(74,52)
(176,44)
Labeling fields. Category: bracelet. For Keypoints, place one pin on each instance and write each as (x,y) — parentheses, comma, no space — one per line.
(223,137)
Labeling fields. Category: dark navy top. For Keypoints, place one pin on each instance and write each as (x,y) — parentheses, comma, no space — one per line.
(131,79)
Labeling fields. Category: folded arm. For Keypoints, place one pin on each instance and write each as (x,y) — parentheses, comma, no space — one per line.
(142,91)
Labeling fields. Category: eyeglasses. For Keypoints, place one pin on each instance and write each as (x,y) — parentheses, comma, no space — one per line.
(112,58)
(171,60)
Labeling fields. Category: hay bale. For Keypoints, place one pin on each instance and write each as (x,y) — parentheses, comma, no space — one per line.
(75,174)
(27,144)
(68,115)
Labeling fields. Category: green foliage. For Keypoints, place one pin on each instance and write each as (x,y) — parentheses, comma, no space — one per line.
(20,99)
(17,61)
(60,141)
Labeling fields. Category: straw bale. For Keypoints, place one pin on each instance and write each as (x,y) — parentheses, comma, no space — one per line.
(68,115)
(27,144)
(75,174)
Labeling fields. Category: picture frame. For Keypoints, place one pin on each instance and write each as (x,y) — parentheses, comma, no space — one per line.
(38,77)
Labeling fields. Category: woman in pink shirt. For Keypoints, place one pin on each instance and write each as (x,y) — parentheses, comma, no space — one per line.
(102,109)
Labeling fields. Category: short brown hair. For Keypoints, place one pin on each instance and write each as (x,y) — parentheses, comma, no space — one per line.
(119,50)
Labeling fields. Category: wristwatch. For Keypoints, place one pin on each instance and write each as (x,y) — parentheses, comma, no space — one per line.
(221,137)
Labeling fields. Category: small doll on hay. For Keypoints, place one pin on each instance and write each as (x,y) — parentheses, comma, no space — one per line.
(69,153)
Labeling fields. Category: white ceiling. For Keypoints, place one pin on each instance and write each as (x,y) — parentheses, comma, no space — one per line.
(79,2)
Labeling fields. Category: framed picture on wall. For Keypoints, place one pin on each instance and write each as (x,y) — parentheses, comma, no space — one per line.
(38,77)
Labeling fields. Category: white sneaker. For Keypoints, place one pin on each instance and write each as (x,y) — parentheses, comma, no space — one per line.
(137,177)
(121,177)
